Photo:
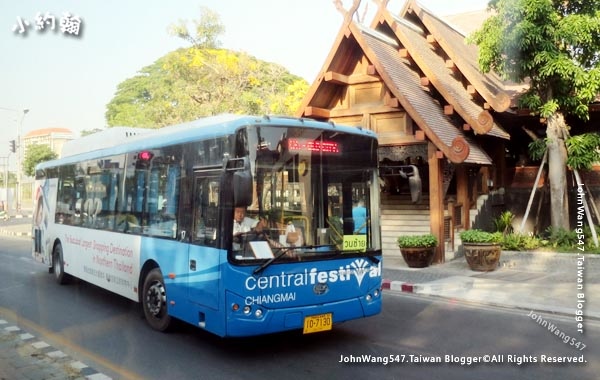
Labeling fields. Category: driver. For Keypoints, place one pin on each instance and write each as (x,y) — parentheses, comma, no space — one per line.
(241,223)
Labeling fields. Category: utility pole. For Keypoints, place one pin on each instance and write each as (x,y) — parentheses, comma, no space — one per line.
(5,204)
(19,153)
(20,159)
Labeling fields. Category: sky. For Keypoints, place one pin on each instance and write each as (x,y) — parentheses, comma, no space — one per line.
(65,79)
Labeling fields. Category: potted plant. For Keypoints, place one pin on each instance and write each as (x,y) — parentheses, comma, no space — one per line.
(482,249)
(417,250)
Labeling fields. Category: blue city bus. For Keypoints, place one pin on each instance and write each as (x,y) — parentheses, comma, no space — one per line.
(150,217)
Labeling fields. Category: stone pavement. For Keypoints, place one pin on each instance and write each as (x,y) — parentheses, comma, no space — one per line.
(530,281)
(558,283)
(25,356)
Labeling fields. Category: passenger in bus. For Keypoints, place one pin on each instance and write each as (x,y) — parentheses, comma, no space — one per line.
(359,214)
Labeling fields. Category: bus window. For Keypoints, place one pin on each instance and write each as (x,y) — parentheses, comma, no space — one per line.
(206,201)
(65,202)
(87,193)
(151,194)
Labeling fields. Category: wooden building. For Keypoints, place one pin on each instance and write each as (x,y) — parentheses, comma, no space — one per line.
(412,79)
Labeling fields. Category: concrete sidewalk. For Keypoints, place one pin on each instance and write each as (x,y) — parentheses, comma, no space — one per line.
(532,281)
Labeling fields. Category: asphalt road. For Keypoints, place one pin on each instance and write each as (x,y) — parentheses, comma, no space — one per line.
(108,332)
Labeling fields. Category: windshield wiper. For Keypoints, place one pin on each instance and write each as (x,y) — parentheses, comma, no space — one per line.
(272,259)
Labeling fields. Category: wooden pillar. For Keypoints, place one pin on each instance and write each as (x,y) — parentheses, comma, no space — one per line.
(436,201)
(485,177)
(500,165)
(462,194)
(474,184)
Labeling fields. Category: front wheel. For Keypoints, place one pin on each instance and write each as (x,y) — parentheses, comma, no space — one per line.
(58,266)
(154,301)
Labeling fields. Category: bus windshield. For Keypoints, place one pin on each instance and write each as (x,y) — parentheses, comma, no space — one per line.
(313,192)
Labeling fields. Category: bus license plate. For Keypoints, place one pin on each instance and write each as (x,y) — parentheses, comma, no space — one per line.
(316,323)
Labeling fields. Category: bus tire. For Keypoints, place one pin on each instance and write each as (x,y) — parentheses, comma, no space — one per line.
(154,301)
(58,266)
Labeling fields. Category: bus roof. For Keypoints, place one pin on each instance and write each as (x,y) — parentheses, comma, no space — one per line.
(209,127)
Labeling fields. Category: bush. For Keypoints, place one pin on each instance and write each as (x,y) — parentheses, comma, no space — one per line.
(417,241)
(562,238)
(512,242)
(531,243)
(520,242)
(504,221)
(480,236)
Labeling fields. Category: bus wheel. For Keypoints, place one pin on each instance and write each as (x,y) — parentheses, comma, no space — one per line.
(154,301)
(58,266)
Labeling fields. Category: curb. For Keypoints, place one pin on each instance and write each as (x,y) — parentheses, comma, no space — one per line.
(27,352)
(22,216)
(14,233)
(398,286)
(19,216)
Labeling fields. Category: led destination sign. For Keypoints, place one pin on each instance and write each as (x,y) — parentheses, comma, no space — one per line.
(306,145)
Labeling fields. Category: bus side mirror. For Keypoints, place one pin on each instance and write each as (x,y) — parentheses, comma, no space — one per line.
(415,185)
(242,186)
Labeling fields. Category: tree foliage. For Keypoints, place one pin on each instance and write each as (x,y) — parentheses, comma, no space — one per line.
(203,80)
(35,154)
(553,44)
(207,30)
(12,179)
(583,150)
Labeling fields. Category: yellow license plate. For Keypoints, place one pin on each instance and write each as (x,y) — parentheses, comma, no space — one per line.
(316,323)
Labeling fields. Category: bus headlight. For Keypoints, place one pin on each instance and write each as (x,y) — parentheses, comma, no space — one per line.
(368,298)
(247,309)
(258,313)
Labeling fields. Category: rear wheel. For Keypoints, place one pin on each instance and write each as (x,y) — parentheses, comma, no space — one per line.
(58,266)
(154,301)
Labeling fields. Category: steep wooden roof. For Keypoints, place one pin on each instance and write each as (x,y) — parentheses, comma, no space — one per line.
(489,86)
(418,103)
(402,77)
(436,70)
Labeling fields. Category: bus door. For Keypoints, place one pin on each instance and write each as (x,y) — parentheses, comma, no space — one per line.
(204,256)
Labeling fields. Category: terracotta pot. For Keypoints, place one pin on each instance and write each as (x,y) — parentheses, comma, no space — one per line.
(483,257)
(418,257)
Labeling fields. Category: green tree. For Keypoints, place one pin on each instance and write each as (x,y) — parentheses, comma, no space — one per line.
(554,45)
(12,179)
(207,30)
(152,99)
(36,154)
(203,80)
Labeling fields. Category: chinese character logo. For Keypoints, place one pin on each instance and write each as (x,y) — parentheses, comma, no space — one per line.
(21,26)
(41,21)
(69,24)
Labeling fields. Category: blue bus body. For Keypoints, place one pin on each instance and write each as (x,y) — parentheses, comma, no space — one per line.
(151,218)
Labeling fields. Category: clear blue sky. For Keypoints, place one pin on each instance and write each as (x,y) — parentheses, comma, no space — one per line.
(67,81)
